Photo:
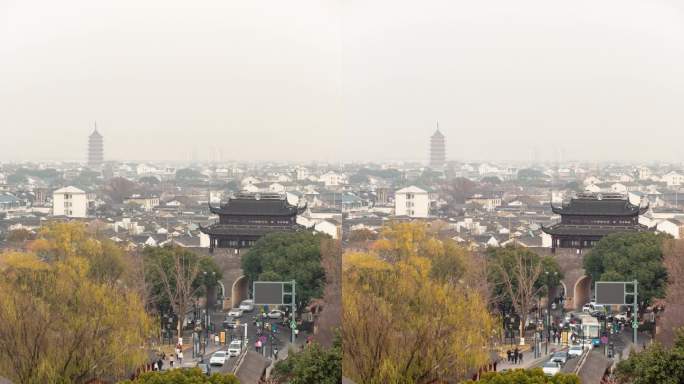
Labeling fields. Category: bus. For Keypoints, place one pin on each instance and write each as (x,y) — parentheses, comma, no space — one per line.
(590,330)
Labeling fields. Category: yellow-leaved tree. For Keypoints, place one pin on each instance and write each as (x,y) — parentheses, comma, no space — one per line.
(63,321)
(412,310)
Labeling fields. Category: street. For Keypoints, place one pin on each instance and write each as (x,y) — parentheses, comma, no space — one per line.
(282,337)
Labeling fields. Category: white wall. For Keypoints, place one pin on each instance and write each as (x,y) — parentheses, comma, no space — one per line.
(418,206)
(204,240)
(75,206)
(327,228)
(669,228)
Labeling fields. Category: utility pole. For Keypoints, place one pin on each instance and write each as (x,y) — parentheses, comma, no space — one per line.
(635,322)
(293,325)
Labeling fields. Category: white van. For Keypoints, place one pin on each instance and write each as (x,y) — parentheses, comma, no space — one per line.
(247,305)
(592,306)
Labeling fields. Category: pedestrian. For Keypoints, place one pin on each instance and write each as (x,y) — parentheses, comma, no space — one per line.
(509,354)
(520,358)
(296,332)
(160,364)
(516,352)
(171,361)
(180,358)
(275,353)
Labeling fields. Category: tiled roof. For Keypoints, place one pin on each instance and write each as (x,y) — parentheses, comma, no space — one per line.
(592,230)
(598,206)
(255,230)
(256,204)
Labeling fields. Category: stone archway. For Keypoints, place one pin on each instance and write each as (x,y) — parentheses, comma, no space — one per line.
(563,289)
(582,292)
(222,290)
(239,291)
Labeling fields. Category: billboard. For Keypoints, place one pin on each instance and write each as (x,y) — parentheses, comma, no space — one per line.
(610,292)
(268,293)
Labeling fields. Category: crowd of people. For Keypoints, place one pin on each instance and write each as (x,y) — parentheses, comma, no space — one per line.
(515,356)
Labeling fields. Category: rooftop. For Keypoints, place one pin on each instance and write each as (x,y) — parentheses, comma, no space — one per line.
(607,204)
(592,230)
(69,189)
(262,204)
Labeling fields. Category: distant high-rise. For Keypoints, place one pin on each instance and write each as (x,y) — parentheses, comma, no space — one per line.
(437,150)
(95,148)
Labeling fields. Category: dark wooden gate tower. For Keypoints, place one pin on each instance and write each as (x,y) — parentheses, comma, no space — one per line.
(590,216)
(247,217)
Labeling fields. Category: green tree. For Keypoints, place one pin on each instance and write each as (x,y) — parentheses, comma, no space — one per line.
(655,364)
(285,257)
(18,236)
(494,180)
(189,175)
(314,364)
(64,326)
(149,181)
(176,277)
(119,188)
(458,189)
(363,234)
(519,277)
(629,256)
(526,376)
(405,323)
(183,376)
(59,241)
(531,175)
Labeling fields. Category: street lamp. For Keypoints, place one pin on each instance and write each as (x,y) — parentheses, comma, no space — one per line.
(548,308)
(207,321)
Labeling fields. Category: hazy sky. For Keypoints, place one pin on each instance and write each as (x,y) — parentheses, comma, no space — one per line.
(342,79)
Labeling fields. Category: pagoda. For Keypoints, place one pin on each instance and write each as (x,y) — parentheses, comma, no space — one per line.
(587,218)
(246,217)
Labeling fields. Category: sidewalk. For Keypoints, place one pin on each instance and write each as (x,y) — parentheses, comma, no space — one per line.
(188,360)
(528,358)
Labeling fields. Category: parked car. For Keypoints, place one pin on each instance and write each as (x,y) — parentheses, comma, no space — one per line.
(247,305)
(560,357)
(234,348)
(575,351)
(235,312)
(218,358)
(621,317)
(551,368)
(276,314)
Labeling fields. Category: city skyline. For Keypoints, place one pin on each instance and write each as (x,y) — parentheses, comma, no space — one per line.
(595,83)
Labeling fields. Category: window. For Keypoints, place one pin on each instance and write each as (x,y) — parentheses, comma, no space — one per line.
(409,196)
(67,196)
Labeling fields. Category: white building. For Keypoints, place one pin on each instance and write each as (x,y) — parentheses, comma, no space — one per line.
(618,188)
(145,169)
(673,179)
(592,188)
(147,203)
(70,202)
(301,173)
(126,225)
(412,201)
(329,227)
(674,227)
(333,179)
